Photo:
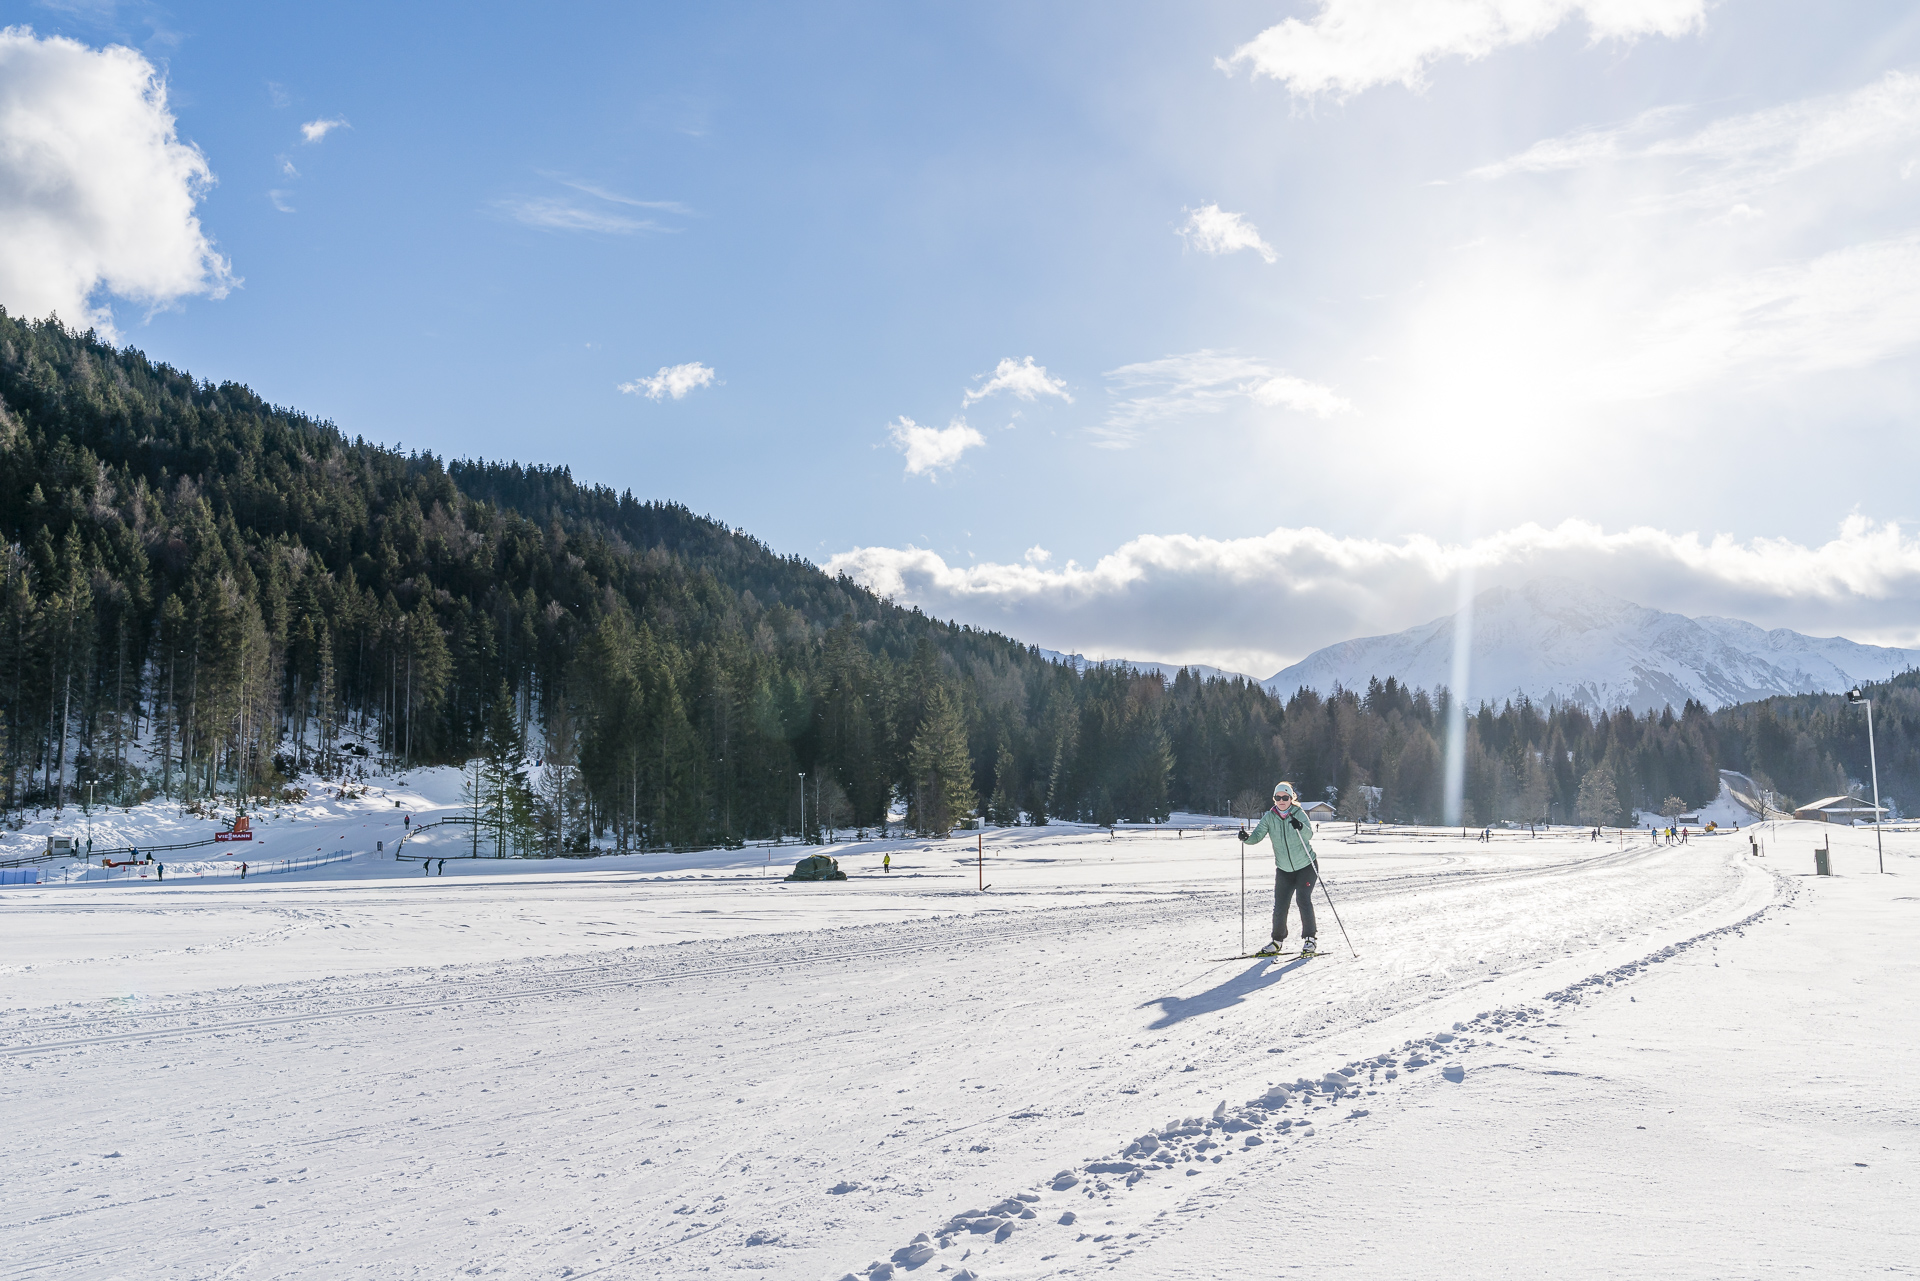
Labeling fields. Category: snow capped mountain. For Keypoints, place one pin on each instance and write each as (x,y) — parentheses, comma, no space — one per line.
(1557,641)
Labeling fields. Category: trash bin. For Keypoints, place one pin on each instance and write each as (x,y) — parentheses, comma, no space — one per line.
(1821,866)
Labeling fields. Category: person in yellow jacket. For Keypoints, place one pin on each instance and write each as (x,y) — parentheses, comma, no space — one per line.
(1291,832)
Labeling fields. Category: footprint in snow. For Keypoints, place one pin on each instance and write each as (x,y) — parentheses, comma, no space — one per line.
(1188,1141)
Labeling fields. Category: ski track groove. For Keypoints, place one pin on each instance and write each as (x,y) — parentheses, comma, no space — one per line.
(1089,1175)
(797,1207)
(1359,890)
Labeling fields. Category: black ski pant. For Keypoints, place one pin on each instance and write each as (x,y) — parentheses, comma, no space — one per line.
(1295,885)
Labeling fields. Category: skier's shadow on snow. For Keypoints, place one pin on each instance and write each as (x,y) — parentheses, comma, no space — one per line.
(1174,1009)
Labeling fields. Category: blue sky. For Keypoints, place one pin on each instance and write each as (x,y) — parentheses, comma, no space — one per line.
(1336,303)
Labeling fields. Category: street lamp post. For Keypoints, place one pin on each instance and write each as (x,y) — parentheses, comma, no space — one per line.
(1855,696)
(803,807)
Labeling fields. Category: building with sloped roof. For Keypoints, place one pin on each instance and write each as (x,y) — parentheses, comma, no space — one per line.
(1841,809)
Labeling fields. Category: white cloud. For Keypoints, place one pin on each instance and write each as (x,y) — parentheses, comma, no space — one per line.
(930,449)
(1285,392)
(97,192)
(672,381)
(1841,310)
(552,214)
(315,130)
(1212,230)
(1257,604)
(1732,160)
(1757,249)
(1587,146)
(280,199)
(614,197)
(1353,45)
(1203,382)
(1021,377)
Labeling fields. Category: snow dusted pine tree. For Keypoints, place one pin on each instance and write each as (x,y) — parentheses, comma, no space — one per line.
(1599,799)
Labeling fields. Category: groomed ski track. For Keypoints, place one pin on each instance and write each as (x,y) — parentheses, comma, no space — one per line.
(778,952)
(798,1102)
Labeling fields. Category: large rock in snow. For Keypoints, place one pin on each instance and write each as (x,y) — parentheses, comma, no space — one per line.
(816,867)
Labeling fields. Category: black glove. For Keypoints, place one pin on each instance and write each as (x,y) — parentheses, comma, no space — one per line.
(1296,823)
(1243,838)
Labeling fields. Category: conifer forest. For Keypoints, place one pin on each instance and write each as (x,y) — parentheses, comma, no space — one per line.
(206,595)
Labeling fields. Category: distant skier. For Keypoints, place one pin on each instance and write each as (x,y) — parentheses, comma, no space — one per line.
(886,862)
(1291,832)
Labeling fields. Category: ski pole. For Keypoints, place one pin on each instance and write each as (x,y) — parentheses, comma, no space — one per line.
(1243,882)
(1336,911)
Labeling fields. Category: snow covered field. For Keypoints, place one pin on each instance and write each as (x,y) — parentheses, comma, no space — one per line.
(1567,1059)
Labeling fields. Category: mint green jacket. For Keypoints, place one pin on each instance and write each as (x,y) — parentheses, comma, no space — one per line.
(1291,850)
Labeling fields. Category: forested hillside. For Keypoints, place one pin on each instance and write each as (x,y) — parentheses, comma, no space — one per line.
(1810,746)
(203,589)
(207,593)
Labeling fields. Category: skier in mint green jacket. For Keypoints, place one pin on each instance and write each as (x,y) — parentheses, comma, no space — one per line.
(1291,832)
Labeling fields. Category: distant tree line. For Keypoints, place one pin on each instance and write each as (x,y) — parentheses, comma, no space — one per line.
(1379,753)
(203,593)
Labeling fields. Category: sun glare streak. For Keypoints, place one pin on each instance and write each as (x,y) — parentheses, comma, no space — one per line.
(1462,675)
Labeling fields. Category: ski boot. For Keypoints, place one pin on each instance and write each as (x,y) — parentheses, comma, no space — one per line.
(1308,948)
(1271,949)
